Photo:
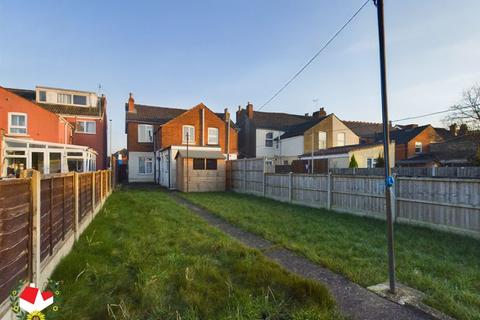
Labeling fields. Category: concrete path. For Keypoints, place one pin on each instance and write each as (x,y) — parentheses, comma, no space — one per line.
(354,301)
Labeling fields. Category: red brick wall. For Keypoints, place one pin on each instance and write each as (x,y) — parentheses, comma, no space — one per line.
(132,139)
(427,136)
(41,124)
(171,132)
(97,141)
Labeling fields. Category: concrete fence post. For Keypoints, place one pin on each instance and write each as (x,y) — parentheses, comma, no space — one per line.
(394,190)
(36,213)
(264,178)
(329,190)
(244,175)
(76,187)
(290,191)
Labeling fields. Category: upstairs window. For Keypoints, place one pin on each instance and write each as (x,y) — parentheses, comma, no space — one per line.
(145,133)
(188,134)
(269,139)
(322,140)
(81,100)
(213,136)
(17,123)
(64,98)
(340,139)
(418,147)
(86,127)
(42,96)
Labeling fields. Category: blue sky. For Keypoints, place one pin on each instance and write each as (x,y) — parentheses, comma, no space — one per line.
(225,53)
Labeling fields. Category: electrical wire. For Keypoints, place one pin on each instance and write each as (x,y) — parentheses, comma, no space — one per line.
(316,55)
(434,113)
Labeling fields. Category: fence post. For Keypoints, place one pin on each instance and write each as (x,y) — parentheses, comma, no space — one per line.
(102,195)
(289,187)
(244,175)
(264,178)
(34,271)
(329,191)
(395,201)
(76,204)
(93,192)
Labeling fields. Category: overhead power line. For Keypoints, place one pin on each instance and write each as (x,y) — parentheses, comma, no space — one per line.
(316,55)
(432,114)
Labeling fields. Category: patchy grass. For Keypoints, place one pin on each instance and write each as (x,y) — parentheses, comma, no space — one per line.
(145,257)
(444,266)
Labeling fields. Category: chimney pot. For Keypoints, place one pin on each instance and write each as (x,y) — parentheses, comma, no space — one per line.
(453,129)
(131,103)
(227,115)
(319,114)
(250,110)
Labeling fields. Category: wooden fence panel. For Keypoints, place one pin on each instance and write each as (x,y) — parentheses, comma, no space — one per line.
(69,204)
(453,203)
(104,184)
(85,195)
(254,176)
(276,186)
(15,231)
(45,218)
(311,190)
(359,195)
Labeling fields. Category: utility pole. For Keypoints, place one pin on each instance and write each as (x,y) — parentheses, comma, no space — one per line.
(386,146)
(188,142)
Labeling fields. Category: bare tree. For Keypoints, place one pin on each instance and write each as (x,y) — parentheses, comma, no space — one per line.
(468,110)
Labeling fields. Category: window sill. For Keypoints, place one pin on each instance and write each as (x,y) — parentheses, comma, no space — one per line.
(90,133)
(19,134)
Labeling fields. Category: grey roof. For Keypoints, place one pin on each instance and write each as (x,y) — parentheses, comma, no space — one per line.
(341,150)
(277,120)
(152,114)
(24,93)
(405,135)
(364,129)
(299,129)
(200,154)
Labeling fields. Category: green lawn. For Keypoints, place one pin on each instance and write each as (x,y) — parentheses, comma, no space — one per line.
(145,257)
(446,267)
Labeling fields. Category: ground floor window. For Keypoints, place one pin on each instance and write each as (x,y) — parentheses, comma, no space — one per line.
(15,166)
(371,162)
(145,165)
(75,165)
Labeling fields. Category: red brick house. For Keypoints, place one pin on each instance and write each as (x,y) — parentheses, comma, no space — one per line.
(33,137)
(158,136)
(84,110)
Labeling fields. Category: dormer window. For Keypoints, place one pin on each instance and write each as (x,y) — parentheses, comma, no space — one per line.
(42,96)
(67,98)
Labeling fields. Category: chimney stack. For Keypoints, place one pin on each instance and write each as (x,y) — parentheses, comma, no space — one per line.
(453,129)
(463,129)
(319,114)
(131,103)
(227,115)
(250,110)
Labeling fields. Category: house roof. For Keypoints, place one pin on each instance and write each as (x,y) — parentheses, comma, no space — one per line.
(152,114)
(61,109)
(364,129)
(299,129)
(444,133)
(341,150)
(277,120)
(405,135)
(200,154)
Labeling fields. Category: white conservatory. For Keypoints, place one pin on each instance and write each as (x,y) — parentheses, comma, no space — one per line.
(46,157)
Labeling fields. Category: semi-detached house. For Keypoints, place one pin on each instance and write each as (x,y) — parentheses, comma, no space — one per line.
(158,137)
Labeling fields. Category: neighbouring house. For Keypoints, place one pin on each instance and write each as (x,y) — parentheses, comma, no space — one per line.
(283,137)
(463,150)
(33,137)
(367,131)
(84,110)
(412,142)
(366,155)
(158,137)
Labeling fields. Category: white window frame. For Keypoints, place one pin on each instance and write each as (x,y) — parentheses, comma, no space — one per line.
(371,162)
(418,145)
(72,99)
(338,140)
(269,139)
(66,95)
(213,139)
(147,130)
(85,126)
(191,138)
(324,134)
(145,160)
(11,126)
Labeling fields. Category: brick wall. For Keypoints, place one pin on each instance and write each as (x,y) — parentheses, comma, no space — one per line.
(132,139)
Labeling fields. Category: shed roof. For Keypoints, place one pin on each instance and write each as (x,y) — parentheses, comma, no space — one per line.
(200,154)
